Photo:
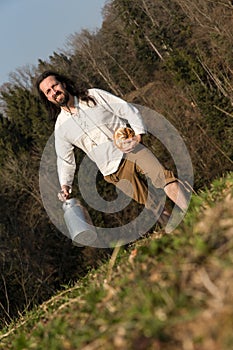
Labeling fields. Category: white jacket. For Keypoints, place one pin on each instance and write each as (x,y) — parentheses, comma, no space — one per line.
(91,129)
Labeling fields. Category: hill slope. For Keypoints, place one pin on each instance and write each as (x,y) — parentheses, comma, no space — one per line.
(163,292)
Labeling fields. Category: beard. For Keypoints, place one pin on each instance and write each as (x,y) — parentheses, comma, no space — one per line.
(63,100)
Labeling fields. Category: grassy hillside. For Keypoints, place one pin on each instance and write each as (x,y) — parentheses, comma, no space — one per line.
(165,292)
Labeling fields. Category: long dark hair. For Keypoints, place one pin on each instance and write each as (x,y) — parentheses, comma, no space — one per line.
(53,109)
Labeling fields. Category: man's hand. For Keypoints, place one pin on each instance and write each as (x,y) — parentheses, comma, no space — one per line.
(63,195)
(129,144)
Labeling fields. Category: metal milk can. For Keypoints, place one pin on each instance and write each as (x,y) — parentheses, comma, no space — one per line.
(78,223)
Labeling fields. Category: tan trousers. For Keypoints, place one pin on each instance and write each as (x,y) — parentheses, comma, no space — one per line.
(139,167)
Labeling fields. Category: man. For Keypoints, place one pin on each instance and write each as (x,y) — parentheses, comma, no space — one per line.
(89,119)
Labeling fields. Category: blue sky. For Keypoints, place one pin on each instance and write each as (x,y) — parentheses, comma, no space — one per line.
(34,29)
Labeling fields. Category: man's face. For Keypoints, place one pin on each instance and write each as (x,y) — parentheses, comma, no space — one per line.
(54,91)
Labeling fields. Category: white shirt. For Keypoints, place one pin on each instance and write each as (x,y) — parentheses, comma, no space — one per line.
(91,129)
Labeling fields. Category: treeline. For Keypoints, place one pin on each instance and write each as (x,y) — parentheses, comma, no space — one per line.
(174,56)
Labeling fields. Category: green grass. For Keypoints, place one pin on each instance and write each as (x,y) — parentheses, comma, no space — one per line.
(165,291)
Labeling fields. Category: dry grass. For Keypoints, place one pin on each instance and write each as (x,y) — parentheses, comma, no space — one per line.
(165,292)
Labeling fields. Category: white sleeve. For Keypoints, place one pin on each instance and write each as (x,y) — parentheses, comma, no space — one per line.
(121,108)
(66,164)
